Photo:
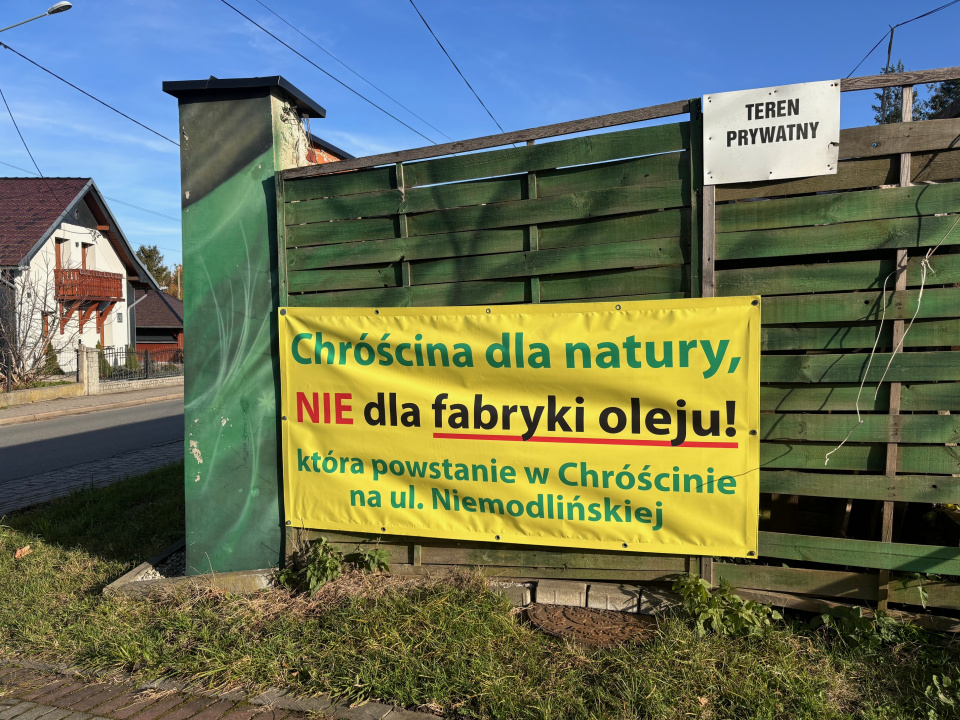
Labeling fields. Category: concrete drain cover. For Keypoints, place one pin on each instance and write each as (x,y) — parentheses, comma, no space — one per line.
(590,626)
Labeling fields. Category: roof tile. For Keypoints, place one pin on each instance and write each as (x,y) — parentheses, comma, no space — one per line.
(28,208)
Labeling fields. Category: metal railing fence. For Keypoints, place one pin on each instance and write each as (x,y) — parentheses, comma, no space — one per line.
(118,364)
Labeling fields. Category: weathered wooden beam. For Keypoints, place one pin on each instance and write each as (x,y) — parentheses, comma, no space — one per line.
(491,141)
(915,77)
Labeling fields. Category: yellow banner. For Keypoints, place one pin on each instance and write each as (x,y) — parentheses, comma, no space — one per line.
(616,426)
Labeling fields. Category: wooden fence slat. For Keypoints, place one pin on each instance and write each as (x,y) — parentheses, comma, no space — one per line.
(344,183)
(545,156)
(820,427)
(821,398)
(903,488)
(858,307)
(502,292)
(928,333)
(839,208)
(544,262)
(914,459)
(830,583)
(650,170)
(561,208)
(896,138)
(941,594)
(915,397)
(844,237)
(902,557)
(831,368)
(830,277)
(348,207)
(930,165)
(329,233)
(430,247)
(626,298)
(345,278)
(674,223)
(669,279)
(919,397)
(534,557)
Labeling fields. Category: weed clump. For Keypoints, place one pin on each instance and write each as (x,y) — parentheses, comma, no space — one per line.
(318,563)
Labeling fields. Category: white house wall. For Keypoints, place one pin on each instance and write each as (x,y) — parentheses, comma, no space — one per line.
(116,333)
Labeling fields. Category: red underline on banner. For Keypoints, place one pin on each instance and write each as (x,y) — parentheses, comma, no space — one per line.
(584,441)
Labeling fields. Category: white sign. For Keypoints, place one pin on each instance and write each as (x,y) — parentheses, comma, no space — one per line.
(771,133)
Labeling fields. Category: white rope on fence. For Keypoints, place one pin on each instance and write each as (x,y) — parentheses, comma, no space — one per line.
(925,267)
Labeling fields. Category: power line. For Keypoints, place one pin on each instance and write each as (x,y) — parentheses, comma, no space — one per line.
(368,82)
(142,209)
(26,147)
(458,69)
(106,197)
(332,77)
(894,27)
(45,182)
(106,105)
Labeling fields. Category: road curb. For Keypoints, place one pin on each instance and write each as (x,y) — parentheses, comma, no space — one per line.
(20,419)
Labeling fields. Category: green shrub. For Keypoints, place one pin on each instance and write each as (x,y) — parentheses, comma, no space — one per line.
(131,363)
(51,364)
(105,369)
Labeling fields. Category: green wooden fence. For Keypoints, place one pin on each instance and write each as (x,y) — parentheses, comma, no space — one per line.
(624,215)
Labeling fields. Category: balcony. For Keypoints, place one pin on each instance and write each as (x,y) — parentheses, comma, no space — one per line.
(90,285)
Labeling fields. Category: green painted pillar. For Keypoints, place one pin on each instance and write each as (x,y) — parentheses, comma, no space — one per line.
(235,135)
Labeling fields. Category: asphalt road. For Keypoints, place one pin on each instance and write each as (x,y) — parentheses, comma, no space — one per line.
(37,447)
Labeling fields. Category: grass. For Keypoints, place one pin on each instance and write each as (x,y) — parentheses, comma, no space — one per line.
(450,645)
(33,384)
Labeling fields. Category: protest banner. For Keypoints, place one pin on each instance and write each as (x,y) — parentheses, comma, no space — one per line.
(616,426)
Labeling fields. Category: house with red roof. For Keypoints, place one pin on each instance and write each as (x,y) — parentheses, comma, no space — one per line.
(68,274)
(159,323)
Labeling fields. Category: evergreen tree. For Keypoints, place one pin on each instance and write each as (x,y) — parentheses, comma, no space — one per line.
(890,101)
(942,96)
(51,365)
(152,259)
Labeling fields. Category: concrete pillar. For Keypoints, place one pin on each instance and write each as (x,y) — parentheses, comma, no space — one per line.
(235,135)
(92,364)
(82,367)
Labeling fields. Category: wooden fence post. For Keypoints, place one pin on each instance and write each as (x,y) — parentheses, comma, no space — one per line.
(533,233)
(702,243)
(893,448)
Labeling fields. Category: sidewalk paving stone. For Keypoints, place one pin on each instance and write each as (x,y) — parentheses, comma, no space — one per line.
(94,701)
(45,689)
(56,696)
(59,692)
(187,710)
(11,712)
(126,698)
(149,708)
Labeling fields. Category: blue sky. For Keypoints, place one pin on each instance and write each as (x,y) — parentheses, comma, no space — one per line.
(532,62)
